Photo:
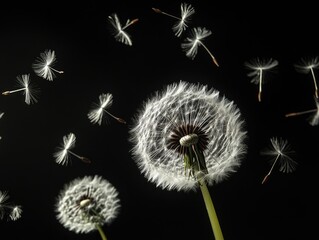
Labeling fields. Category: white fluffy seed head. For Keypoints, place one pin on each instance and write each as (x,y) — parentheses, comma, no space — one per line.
(187,104)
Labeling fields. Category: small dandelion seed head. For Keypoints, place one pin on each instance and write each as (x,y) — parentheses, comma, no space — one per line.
(86,202)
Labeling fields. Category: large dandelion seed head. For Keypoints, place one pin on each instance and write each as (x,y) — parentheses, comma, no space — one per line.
(181,115)
(87,202)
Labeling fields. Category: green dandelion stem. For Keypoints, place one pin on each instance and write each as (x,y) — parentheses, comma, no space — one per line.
(99,228)
(211,210)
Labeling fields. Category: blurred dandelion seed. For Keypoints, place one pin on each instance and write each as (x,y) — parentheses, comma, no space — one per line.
(28,90)
(280,149)
(314,118)
(119,32)
(258,67)
(188,136)
(62,155)
(308,65)
(43,65)
(86,204)
(96,114)
(197,35)
(186,12)
(12,211)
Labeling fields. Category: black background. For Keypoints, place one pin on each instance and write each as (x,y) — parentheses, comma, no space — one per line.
(94,63)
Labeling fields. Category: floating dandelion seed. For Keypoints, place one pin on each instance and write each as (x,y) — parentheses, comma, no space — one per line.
(62,156)
(96,114)
(308,65)
(86,204)
(12,211)
(187,136)
(24,86)
(119,32)
(190,46)
(314,118)
(43,65)
(186,12)
(280,149)
(258,67)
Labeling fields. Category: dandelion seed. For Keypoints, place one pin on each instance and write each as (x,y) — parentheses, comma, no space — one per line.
(43,65)
(12,211)
(96,114)
(308,65)
(314,118)
(186,12)
(190,46)
(258,67)
(86,204)
(24,86)
(187,136)
(62,155)
(119,32)
(280,150)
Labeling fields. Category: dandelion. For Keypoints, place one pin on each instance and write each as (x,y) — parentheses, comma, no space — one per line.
(24,86)
(96,114)
(12,211)
(314,117)
(43,65)
(190,46)
(86,204)
(308,65)
(280,150)
(62,155)
(258,67)
(119,32)
(186,12)
(188,136)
